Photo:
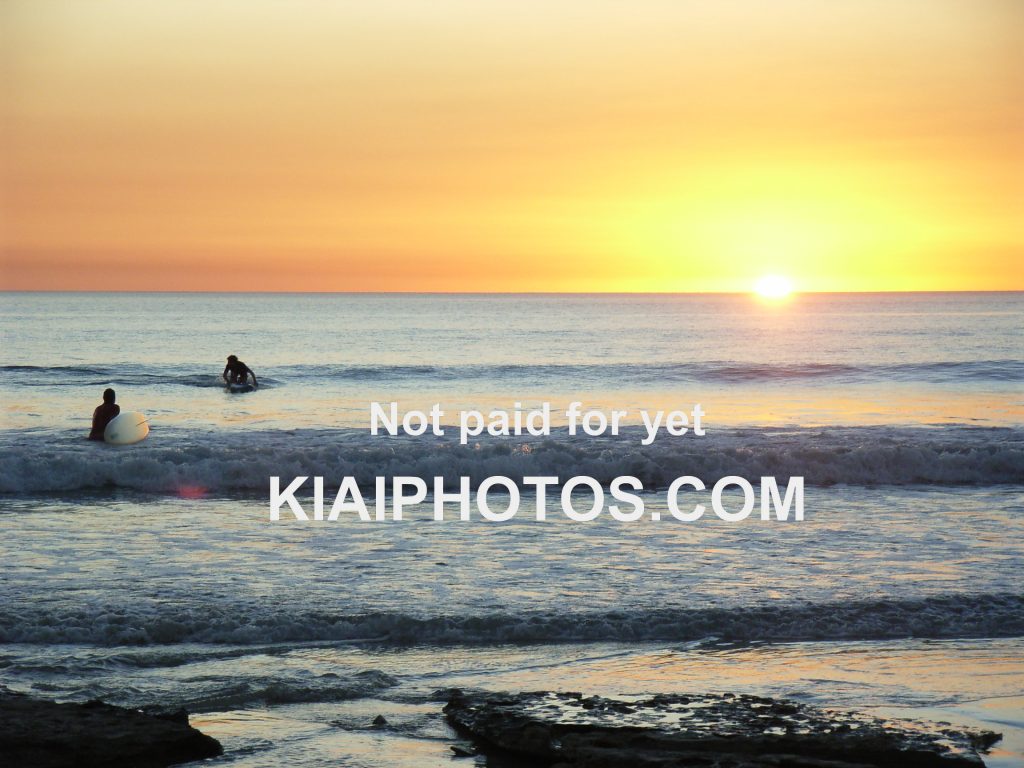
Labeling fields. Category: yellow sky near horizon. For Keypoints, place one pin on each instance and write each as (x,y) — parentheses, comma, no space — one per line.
(588,146)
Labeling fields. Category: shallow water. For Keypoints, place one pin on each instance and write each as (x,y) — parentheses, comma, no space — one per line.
(134,569)
(315,704)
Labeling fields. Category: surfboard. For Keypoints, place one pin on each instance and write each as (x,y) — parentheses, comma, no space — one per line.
(236,388)
(126,428)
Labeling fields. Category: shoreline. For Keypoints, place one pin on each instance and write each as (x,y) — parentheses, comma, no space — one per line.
(543,727)
(315,705)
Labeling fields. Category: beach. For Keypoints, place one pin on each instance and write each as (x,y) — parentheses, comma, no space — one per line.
(152,575)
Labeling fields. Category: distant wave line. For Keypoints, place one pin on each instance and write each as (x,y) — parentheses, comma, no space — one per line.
(942,371)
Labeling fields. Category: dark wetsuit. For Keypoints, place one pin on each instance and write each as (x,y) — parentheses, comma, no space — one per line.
(102,416)
(238,372)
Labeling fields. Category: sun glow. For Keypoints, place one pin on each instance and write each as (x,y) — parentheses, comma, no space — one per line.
(773,287)
(296,152)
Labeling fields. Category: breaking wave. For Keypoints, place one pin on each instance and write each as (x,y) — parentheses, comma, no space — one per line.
(950,616)
(226,462)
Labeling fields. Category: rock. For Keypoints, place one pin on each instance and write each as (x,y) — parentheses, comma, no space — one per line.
(380,721)
(45,734)
(730,731)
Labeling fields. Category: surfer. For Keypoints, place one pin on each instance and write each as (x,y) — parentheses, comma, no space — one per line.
(237,372)
(103,414)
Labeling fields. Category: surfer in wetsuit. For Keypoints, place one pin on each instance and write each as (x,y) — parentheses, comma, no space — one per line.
(104,414)
(237,372)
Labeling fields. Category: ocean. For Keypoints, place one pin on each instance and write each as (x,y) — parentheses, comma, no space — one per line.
(151,575)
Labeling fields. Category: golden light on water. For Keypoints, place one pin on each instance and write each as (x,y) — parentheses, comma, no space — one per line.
(774,287)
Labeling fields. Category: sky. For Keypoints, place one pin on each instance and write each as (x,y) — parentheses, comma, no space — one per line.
(487,146)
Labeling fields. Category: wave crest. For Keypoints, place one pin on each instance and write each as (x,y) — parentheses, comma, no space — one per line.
(949,616)
(176,463)
(633,373)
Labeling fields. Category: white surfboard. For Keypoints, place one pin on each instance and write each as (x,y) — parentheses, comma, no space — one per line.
(126,428)
(239,387)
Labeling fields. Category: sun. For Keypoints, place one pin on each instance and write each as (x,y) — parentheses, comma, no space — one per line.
(773,287)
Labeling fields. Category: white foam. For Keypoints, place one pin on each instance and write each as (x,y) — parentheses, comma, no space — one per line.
(228,462)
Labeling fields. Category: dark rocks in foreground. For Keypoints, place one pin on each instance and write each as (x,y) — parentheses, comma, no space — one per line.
(572,731)
(44,734)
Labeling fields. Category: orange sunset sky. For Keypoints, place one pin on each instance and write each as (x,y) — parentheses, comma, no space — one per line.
(486,146)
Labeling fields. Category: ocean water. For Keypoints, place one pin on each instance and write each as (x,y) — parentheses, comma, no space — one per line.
(152,575)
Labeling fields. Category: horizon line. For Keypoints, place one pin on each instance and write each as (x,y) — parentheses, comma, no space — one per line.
(794,293)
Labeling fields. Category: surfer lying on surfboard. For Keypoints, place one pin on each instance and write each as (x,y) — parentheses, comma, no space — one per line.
(237,372)
(104,414)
